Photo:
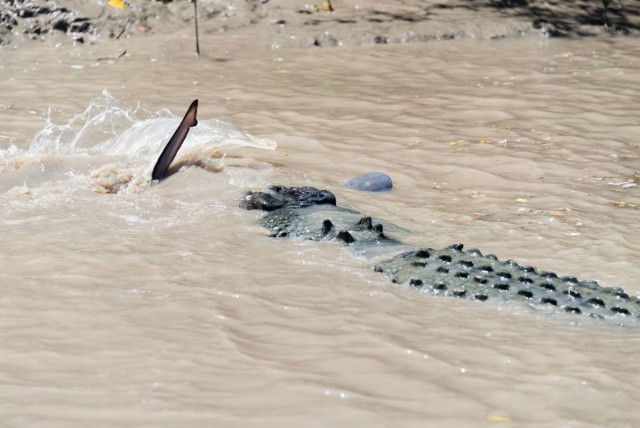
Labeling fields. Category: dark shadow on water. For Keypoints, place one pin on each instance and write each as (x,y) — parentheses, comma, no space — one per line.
(558,18)
(563,18)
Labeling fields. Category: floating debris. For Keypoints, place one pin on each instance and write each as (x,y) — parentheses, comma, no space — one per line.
(623,204)
(624,184)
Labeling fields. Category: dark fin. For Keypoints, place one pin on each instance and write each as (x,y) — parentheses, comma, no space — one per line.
(160,171)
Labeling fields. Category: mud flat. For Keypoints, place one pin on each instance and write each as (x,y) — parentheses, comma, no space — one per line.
(291,23)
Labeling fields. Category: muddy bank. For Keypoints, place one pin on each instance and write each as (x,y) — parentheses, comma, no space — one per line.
(293,23)
(72,21)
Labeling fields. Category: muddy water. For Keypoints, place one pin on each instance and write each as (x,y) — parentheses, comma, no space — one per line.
(129,304)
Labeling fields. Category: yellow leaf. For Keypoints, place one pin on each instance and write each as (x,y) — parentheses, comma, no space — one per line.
(498,418)
(119,4)
(328,5)
(623,205)
(485,140)
(522,200)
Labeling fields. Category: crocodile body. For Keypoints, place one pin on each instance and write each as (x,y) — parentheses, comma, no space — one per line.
(312,214)
(309,213)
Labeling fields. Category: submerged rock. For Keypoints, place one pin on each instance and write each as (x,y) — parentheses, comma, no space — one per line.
(371,182)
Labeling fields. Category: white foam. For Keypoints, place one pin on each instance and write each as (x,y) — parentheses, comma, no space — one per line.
(110,133)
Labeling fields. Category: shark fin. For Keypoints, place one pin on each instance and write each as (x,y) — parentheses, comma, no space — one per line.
(160,171)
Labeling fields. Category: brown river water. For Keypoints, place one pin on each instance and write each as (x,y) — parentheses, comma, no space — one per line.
(130,304)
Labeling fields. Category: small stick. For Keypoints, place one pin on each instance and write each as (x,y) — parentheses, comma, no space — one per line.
(109,58)
(195,12)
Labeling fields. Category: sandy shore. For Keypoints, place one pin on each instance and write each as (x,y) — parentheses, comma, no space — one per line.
(294,23)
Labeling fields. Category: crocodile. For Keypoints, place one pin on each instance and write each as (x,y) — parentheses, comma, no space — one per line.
(313,214)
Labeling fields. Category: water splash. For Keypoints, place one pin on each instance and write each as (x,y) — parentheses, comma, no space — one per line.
(113,147)
(107,127)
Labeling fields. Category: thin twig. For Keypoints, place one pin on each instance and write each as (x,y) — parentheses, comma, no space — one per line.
(195,12)
(124,27)
(113,58)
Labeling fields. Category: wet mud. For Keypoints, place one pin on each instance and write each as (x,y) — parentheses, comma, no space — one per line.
(323,24)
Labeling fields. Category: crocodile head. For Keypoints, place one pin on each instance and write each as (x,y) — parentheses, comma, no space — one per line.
(276,197)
